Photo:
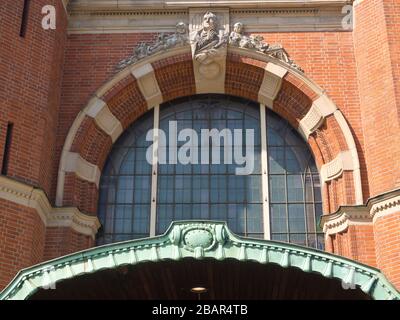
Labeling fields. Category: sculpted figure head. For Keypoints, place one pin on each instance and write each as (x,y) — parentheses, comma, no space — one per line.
(181,28)
(238,27)
(209,21)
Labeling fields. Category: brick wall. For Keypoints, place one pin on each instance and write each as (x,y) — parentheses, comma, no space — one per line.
(22,236)
(30,78)
(376,51)
(30,86)
(63,241)
(387,240)
(356,243)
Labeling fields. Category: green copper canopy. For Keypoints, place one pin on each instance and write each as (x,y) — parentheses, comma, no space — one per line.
(199,239)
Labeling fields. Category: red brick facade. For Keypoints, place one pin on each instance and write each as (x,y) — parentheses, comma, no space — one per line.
(48,77)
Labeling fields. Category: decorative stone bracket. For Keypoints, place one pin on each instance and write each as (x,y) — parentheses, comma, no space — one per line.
(376,207)
(198,240)
(31,197)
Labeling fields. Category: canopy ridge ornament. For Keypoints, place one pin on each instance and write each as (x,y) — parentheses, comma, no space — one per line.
(208,44)
(199,240)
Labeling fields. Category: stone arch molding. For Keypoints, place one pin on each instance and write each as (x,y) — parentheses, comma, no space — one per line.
(199,240)
(171,74)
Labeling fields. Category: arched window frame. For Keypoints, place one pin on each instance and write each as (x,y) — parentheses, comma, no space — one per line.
(265,173)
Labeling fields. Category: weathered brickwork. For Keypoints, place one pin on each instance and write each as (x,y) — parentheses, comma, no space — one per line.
(126,101)
(31,69)
(175,76)
(387,242)
(243,77)
(63,241)
(22,237)
(80,193)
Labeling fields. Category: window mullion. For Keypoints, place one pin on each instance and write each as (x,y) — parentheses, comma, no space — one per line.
(264,173)
(154,173)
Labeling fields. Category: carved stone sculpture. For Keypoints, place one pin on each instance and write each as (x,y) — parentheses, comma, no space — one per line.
(238,39)
(207,42)
(163,42)
(209,46)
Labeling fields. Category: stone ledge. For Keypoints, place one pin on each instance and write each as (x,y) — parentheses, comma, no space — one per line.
(376,207)
(34,198)
(105,16)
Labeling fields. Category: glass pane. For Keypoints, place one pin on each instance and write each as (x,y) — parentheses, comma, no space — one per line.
(310,218)
(293,184)
(278,218)
(299,239)
(308,188)
(293,160)
(312,240)
(277,188)
(318,214)
(296,218)
(295,188)
(280,237)
(276,160)
(321,243)
(317,188)
(254,218)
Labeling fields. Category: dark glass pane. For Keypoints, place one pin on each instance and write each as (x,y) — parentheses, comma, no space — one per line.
(318,214)
(295,189)
(254,189)
(317,188)
(296,218)
(312,240)
(310,218)
(280,237)
(277,188)
(254,218)
(293,160)
(299,239)
(278,218)
(274,139)
(276,157)
(293,184)
(321,242)
(309,188)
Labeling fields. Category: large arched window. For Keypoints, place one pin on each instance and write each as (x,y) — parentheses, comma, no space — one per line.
(139,198)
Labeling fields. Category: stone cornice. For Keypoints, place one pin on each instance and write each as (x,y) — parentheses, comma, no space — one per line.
(376,207)
(184,4)
(385,204)
(345,217)
(34,198)
(161,16)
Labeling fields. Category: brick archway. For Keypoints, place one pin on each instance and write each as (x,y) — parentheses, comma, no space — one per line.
(169,75)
